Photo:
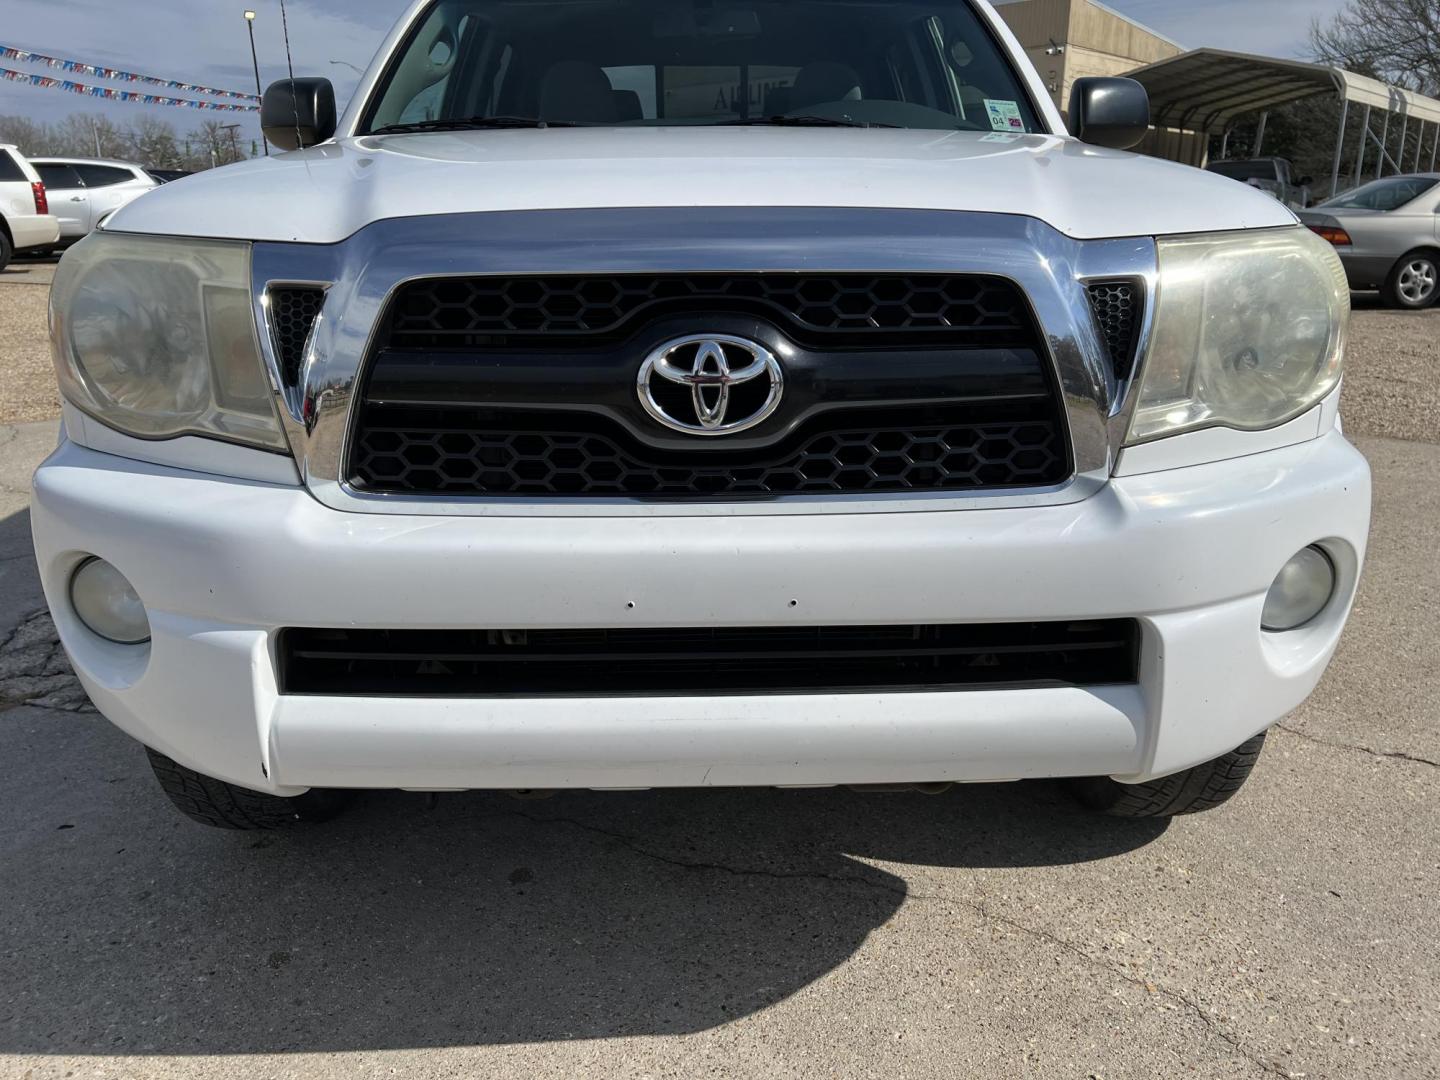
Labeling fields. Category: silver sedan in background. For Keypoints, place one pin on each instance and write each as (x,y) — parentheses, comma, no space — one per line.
(1388,236)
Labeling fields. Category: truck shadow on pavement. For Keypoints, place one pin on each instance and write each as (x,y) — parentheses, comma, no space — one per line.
(128,930)
(482,921)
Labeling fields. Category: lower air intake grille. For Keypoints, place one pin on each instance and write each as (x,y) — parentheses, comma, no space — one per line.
(650,662)
(1117,313)
(423,450)
(293,311)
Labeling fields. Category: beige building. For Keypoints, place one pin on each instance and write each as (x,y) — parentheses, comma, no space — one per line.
(1074,39)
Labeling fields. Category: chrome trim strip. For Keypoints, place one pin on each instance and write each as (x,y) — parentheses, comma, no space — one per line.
(364,271)
(273,362)
(1139,261)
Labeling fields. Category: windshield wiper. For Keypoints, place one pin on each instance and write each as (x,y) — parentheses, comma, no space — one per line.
(471,123)
(803,121)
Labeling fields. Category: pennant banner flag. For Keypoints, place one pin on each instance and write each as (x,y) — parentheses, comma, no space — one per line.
(119,76)
(110,93)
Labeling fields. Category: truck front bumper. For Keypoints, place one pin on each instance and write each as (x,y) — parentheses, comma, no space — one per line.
(222,564)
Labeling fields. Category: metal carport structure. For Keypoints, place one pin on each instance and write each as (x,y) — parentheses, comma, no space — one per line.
(1200,93)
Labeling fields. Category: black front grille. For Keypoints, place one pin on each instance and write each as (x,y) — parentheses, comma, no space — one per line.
(526,386)
(445,312)
(421,449)
(745,660)
(1117,308)
(293,311)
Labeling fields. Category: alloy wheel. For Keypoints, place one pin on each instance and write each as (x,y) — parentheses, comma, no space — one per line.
(1418,281)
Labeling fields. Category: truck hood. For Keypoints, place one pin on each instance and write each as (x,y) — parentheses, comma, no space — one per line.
(327,193)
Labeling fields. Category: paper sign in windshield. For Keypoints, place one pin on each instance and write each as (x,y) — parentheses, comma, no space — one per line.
(1005,116)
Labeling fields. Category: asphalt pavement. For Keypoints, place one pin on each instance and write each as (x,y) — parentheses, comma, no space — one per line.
(991,931)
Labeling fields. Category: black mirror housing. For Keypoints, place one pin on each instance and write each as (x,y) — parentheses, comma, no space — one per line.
(296,113)
(1109,112)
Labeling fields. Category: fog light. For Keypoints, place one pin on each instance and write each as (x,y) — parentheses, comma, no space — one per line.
(108,604)
(1301,592)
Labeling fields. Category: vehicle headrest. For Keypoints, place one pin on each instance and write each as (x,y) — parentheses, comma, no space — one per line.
(577,91)
(627,105)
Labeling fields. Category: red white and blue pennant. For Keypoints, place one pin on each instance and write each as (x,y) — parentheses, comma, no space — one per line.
(114,74)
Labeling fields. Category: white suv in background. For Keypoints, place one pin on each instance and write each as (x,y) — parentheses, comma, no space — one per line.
(84,191)
(25,221)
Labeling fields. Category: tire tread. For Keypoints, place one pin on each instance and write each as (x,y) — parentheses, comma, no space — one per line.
(226,806)
(1193,791)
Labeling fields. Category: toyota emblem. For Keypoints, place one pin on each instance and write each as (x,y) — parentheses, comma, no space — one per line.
(712,368)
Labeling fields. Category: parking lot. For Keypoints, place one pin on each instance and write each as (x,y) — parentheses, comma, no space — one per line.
(991,931)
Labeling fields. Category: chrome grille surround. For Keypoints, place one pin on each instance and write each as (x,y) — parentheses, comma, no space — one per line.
(363,273)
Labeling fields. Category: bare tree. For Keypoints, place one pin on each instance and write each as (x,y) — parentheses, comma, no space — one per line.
(153,144)
(215,144)
(21,131)
(1394,40)
(85,135)
(145,141)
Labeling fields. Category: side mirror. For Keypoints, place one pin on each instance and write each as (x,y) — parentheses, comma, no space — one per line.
(1109,112)
(296,113)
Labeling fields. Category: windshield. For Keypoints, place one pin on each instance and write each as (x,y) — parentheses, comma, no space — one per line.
(1390,194)
(661,62)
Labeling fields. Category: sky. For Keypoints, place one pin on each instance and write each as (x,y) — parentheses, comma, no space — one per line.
(205,41)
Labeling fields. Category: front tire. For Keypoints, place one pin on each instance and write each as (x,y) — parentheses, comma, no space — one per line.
(1414,283)
(224,806)
(1191,792)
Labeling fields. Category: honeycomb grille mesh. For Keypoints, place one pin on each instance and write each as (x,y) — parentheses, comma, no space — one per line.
(1117,313)
(414,449)
(293,311)
(455,311)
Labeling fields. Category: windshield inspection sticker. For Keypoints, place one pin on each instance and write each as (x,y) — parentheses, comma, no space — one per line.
(1005,116)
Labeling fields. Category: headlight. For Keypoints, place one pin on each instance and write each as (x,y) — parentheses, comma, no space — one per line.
(155,337)
(1249,332)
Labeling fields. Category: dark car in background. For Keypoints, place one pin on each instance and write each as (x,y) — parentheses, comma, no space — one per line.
(1388,235)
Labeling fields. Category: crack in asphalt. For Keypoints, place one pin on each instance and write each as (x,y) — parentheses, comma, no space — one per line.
(630,844)
(981,908)
(1149,986)
(34,669)
(1393,755)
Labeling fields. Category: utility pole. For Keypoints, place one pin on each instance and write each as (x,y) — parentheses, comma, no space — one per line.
(234,143)
(255,61)
(96,129)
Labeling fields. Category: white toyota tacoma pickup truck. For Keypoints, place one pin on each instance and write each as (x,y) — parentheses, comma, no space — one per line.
(640,393)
